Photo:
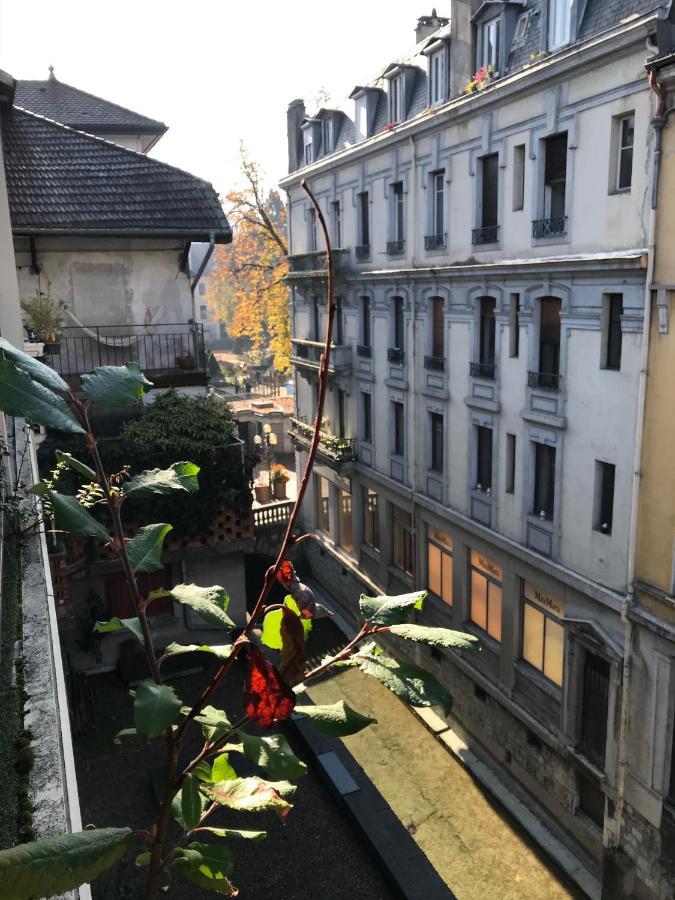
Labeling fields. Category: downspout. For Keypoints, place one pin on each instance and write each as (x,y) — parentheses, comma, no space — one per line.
(614,835)
(413,361)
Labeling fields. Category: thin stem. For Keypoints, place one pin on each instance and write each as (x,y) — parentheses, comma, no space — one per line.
(155,870)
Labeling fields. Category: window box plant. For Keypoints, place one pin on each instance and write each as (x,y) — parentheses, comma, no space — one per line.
(279,478)
(44,318)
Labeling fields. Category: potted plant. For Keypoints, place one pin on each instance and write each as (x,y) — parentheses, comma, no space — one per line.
(44,318)
(279,478)
(263,492)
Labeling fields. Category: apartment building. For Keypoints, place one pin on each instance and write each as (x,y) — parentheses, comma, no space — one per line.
(489,196)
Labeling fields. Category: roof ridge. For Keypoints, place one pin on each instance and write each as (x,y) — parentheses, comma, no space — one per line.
(120,147)
(94,97)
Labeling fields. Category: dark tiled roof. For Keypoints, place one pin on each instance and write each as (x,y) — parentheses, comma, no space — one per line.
(71,106)
(60,181)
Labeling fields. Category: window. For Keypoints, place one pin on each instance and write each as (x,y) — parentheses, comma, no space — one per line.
(436,423)
(439,564)
(543,633)
(202,288)
(327,134)
(510,485)
(322,503)
(559,19)
(486,594)
(371,519)
(337,222)
(613,313)
(399,428)
(518,177)
(403,541)
(341,413)
(396,99)
(367,417)
(591,799)
(555,176)
(437,204)
(307,142)
(487,331)
(120,602)
(521,29)
(364,220)
(594,708)
(312,231)
(671,786)
(437,328)
(437,76)
(489,45)
(316,319)
(338,322)
(604,497)
(398,324)
(544,481)
(361,118)
(203,312)
(514,325)
(549,338)
(345,521)
(483,459)
(624,162)
(397,218)
(489,192)
(365,321)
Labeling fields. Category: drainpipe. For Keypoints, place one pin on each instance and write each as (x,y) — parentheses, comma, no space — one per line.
(413,361)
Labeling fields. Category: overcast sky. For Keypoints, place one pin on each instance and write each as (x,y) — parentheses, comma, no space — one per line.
(216,71)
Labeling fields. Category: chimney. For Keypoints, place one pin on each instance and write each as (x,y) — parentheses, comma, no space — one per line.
(294,118)
(426,25)
(461,52)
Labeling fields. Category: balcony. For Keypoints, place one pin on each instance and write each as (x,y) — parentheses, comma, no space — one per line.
(435,241)
(482,370)
(364,350)
(545,228)
(362,252)
(395,248)
(437,363)
(307,355)
(394,355)
(486,234)
(546,381)
(303,266)
(336,452)
(169,355)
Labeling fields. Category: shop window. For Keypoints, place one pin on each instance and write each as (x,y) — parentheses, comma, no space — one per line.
(543,633)
(594,708)
(439,564)
(322,504)
(345,521)
(403,541)
(371,519)
(486,594)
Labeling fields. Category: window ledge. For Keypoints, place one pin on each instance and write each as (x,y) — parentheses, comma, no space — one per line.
(614,191)
(539,679)
(370,551)
(590,768)
(401,575)
(552,240)
(489,643)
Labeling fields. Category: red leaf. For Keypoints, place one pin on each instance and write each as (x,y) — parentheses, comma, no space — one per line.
(292,661)
(268,698)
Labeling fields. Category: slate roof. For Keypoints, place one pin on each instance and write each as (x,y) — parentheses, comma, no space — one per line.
(71,106)
(61,181)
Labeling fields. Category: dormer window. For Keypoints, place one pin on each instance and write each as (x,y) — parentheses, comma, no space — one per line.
(437,78)
(309,153)
(396,99)
(361,117)
(327,135)
(488,48)
(559,22)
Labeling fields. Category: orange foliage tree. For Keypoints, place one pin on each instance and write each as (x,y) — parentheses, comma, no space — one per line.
(246,280)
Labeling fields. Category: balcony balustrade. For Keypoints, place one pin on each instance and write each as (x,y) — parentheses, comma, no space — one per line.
(543,228)
(487,234)
(307,355)
(334,451)
(395,248)
(482,370)
(362,252)
(364,350)
(394,355)
(546,381)
(315,262)
(434,362)
(435,241)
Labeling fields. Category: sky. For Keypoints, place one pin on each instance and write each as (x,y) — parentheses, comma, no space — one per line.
(217,73)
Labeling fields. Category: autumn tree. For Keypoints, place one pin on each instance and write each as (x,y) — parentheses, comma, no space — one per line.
(246,282)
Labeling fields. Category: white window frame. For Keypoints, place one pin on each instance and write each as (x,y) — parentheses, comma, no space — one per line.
(437,206)
(559,23)
(489,45)
(308,148)
(361,118)
(327,135)
(396,99)
(438,91)
(621,147)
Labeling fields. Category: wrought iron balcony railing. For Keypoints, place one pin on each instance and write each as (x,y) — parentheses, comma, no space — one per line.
(364,350)
(395,355)
(486,234)
(362,252)
(395,248)
(482,370)
(435,241)
(167,353)
(543,228)
(307,354)
(434,362)
(316,262)
(547,381)
(333,450)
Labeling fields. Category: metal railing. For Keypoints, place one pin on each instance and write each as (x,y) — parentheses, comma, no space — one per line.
(316,261)
(272,515)
(395,355)
(547,381)
(435,241)
(486,234)
(362,251)
(364,350)
(543,228)
(482,370)
(333,449)
(169,352)
(395,248)
(309,353)
(434,362)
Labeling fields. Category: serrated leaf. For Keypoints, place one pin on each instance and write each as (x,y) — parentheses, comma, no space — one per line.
(273,754)
(222,651)
(336,719)
(180,476)
(33,367)
(221,769)
(251,794)
(115,386)
(271,632)
(59,864)
(414,686)
(21,396)
(145,549)
(214,721)
(386,610)
(69,516)
(210,603)
(116,624)
(76,465)
(436,637)
(191,803)
(236,833)
(156,706)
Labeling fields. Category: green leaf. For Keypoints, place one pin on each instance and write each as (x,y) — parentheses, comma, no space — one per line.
(191,803)
(414,686)
(221,769)
(273,754)
(336,719)
(33,367)
(214,721)
(271,632)
(69,516)
(143,859)
(75,465)
(21,396)
(202,771)
(115,385)
(207,865)
(222,651)
(59,864)
(145,549)
(125,733)
(236,833)
(437,637)
(156,706)
(209,602)
(116,624)
(180,476)
(390,610)
(251,794)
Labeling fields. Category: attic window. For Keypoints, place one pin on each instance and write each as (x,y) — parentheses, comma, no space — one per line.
(396,99)
(521,29)
(437,78)
(489,45)
(309,152)
(559,22)
(361,117)
(327,135)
